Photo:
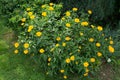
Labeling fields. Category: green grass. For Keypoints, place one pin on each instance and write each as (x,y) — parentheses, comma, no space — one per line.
(17,67)
(3,45)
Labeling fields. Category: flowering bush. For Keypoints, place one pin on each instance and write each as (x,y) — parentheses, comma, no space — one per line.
(61,43)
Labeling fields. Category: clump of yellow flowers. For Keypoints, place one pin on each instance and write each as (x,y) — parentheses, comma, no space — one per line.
(63,43)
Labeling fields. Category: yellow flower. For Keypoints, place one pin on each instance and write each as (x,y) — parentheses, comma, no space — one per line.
(23,19)
(86,70)
(111,49)
(57,45)
(67,38)
(92,26)
(48,64)
(63,44)
(30,13)
(51,8)
(63,18)
(49,59)
(43,6)
(103,34)
(65,77)
(58,38)
(99,28)
(32,17)
(16,44)
(68,25)
(26,45)
(16,51)
(99,54)
(30,28)
(76,20)
(91,39)
(98,44)
(44,14)
(85,64)
(110,37)
(62,71)
(28,9)
(80,47)
(72,58)
(76,62)
(85,23)
(67,60)
(89,12)
(38,34)
(81,33)
(92,60)
(106,39)
(41,50)
(51,4)
(67,13)
(26,51)
(22,24)
(78,50)
(75,9)
(111,42)
(86,74)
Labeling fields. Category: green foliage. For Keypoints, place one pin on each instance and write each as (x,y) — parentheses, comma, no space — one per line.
(104,11)
(8,6)
(116,35)
(64,45)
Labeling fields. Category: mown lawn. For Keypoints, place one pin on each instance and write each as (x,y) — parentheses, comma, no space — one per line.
(14,67)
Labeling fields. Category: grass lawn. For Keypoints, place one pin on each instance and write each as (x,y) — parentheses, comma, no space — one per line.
(16,67)
(19,67)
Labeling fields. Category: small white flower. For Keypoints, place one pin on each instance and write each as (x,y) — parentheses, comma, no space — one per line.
(109,60)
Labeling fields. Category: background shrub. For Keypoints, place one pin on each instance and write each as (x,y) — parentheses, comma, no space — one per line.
(7,6)
(105,12)
(61,43)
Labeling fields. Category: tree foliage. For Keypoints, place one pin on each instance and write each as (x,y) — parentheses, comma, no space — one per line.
(104,11)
